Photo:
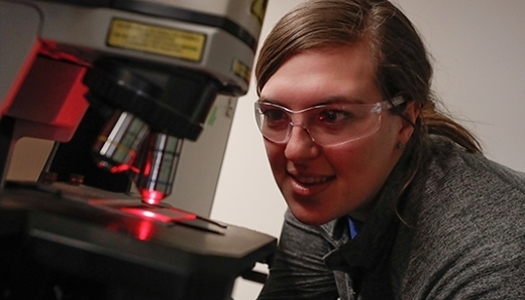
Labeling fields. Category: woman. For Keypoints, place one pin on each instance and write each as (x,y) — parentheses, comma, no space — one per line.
(388,197)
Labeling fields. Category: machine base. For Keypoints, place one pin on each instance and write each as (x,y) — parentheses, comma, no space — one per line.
(75,242)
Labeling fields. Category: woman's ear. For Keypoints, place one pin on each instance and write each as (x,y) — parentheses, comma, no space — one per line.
(412,111)
(411,114)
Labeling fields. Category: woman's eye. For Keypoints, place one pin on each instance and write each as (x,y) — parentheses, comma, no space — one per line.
(333,116)
(274,115)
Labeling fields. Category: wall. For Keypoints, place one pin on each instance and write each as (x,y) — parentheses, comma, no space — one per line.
(478,48)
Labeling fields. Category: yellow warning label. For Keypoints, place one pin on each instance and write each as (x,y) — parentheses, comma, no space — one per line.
(156,39)
(242,70)
(258,9)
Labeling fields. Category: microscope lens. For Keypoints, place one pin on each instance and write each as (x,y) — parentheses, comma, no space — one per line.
(156,167)
(117,145)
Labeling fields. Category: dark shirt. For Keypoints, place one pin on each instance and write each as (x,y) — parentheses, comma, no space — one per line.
(462,236)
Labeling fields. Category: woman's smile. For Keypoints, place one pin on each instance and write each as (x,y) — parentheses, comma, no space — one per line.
(308,185)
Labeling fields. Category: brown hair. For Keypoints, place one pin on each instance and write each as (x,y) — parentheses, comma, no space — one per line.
(402,63)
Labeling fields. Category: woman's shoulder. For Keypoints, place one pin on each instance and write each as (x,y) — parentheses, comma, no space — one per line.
(466,214)
(452,166)
(463,192)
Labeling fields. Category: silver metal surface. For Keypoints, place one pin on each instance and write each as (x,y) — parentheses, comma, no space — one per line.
(118,144)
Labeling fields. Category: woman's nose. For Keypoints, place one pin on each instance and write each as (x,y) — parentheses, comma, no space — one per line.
(300,145)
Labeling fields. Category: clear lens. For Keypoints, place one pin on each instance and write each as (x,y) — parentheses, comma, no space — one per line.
(327,125)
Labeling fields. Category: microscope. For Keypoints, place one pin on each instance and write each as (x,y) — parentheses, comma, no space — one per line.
(137,97)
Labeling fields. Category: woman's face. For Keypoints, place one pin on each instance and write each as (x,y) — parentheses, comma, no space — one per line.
(319,183)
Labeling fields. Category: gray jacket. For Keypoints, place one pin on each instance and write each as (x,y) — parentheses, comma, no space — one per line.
(462,236)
